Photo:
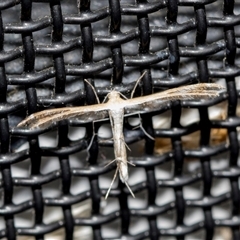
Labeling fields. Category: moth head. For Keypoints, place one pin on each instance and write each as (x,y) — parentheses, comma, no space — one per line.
(113,95)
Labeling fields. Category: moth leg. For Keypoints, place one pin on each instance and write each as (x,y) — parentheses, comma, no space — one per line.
(93,136)
(93,88)
(114,160)
(94,133)
(141,126)
(112,124)
(111,121)
(131,163)
(126,144)
(129,189)
(148,135)
(114,177)
(123,96)
(137,82)
(91,141)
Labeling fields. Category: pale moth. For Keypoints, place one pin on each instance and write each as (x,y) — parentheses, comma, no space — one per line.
(115,109)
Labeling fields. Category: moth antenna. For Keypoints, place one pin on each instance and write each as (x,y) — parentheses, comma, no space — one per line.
(129,189)
(137,82)
(95,93)
(114,177)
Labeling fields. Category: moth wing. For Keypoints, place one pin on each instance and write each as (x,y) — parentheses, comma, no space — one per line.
(144,107)
(159,101)
(35,117)
(47,118)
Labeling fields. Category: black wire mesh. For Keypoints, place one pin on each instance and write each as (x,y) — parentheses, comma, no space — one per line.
(49,47)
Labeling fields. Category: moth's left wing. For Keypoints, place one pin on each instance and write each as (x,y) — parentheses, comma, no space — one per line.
(49,117)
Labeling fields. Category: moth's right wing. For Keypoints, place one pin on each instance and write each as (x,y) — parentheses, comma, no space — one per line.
(47,118)
(159,101)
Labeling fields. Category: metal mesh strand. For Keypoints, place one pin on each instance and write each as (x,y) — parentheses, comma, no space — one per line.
(47,49)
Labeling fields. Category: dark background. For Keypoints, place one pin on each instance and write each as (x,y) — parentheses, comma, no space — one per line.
(186,185)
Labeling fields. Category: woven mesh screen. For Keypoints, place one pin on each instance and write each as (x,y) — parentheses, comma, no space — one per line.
(182,180)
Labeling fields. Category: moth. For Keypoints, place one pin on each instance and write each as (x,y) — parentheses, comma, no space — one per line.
(116,108)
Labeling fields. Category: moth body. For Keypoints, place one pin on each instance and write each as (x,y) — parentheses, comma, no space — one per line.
(116,119)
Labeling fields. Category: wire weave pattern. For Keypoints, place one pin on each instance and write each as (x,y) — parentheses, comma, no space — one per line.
(47,49)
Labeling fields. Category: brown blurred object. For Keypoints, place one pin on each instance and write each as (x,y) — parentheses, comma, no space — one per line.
(191,141)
